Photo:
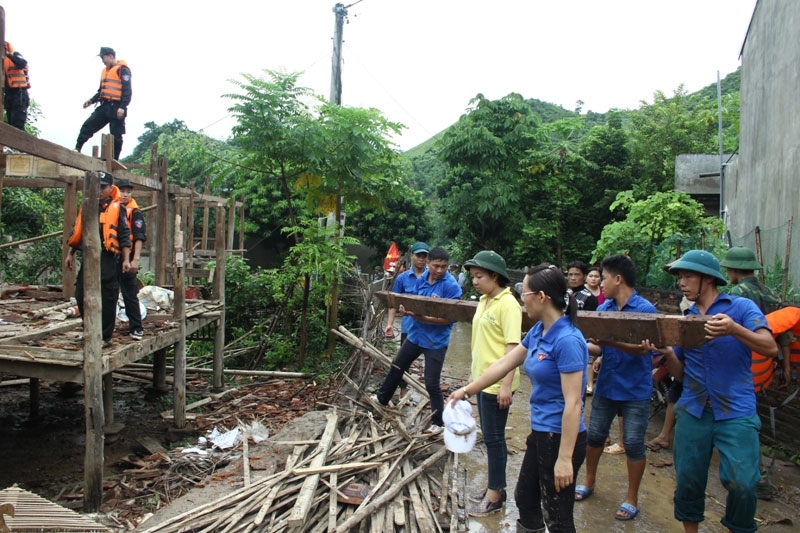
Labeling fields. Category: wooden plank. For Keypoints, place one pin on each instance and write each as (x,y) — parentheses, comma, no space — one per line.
(609,326)
(306,495)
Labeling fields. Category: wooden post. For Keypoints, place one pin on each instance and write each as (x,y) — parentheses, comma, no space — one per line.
(160,370)
(786,258)
(204,242)
(70,214)
(163,223)
(190,232)
(231,223)
(179,314)
(759,253)
(241,226)
(219,294)
(92,351)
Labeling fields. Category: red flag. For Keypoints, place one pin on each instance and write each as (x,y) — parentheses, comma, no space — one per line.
(391,256)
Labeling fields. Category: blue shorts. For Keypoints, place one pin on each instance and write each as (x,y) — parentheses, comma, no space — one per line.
(635,413)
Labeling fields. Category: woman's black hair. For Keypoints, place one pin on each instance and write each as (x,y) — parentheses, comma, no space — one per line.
(592,269)
(550,280)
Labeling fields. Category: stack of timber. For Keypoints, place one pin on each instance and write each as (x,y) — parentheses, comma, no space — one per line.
(374,468)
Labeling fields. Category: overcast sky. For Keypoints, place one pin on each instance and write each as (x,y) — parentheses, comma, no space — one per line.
(418,61)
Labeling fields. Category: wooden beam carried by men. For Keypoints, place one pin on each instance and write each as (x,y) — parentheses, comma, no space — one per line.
(661,330)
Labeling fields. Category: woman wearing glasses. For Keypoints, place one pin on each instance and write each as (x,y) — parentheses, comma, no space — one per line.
(496,330)
(554,356)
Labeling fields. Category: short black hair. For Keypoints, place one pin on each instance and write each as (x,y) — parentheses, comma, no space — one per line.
(580,265)
(438,253)
(621,265)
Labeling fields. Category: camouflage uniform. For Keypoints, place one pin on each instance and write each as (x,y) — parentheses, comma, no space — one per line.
(765,298)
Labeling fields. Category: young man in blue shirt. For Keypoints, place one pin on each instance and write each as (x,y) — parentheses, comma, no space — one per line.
(427,335)
(717,408)
(406,283)
(623,387)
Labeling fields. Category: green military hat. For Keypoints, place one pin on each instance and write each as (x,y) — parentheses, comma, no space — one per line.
(489,260)
(701,262)
(741,258)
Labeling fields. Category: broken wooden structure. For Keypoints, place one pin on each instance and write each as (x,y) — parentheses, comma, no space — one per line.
(373,468)
(661,330)
(40,353)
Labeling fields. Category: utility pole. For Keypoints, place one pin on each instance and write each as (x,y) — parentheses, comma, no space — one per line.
(336,70)
(336,98)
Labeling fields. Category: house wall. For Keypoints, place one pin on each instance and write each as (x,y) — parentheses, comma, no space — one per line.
(762,188)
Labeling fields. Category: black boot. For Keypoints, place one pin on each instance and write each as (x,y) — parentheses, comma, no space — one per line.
(523,529)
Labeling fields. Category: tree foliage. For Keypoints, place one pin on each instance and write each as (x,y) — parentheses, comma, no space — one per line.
(655,230)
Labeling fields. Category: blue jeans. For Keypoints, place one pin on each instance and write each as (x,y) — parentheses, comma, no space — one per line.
(493,426)
(434,359)
(736,440)
(635,415)
(536,496)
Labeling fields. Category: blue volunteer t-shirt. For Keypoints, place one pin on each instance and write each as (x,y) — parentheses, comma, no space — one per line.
(719,370)
(562,350)
(406,283)
(625,376)
(433,336)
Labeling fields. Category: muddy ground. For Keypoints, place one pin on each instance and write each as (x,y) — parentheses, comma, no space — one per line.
(45,456)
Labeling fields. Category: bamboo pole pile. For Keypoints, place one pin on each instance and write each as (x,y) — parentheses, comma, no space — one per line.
(374,469)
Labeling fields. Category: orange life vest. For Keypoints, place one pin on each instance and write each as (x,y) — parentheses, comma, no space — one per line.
(780,321)
(111,83)
(16,78)
(129,209)
(109,220)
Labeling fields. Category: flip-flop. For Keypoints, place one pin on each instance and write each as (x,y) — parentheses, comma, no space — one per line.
(614,449)
(626,507)
(582,492)
(654,445)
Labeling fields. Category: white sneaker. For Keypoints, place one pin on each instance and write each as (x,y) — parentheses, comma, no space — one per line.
(374,398)
(434,429)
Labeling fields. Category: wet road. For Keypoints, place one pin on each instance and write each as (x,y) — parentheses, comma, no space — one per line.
(597,513)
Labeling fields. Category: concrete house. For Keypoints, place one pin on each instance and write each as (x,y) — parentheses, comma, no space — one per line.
(762,186)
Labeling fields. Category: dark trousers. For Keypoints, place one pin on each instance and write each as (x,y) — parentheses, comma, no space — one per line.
(105,113)
(434,359)
(493,427)
(536,496)
(109,291)
(16,102)
(130,295)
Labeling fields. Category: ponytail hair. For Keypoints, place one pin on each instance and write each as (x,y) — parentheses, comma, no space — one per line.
(550,280)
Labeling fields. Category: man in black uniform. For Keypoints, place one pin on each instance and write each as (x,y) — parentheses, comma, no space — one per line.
(114,95)
(115,241)
(15,95)
(576,282)
(127,280)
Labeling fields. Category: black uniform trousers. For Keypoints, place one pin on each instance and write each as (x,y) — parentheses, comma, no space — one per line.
(105,113)
(109,291)
(130,295)
(16,102)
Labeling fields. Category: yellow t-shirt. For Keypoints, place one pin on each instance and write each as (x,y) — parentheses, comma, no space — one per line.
(497,322)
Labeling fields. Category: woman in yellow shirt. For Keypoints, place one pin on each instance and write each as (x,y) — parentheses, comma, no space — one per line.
(496,329)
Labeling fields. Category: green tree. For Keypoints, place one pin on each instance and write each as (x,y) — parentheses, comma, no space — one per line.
(680,124)
(482,193)
(311,160)
(657,229)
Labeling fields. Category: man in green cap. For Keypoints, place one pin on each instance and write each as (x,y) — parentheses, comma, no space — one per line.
(741,263)
(717,408)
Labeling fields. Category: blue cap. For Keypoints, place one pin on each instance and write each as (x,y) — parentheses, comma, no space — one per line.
(420,247)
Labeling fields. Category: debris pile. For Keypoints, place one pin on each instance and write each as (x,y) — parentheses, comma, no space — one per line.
(373,468)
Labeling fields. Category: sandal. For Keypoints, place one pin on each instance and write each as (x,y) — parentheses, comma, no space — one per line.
(655,445)
(614,449)
(582,492)
(626,507)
